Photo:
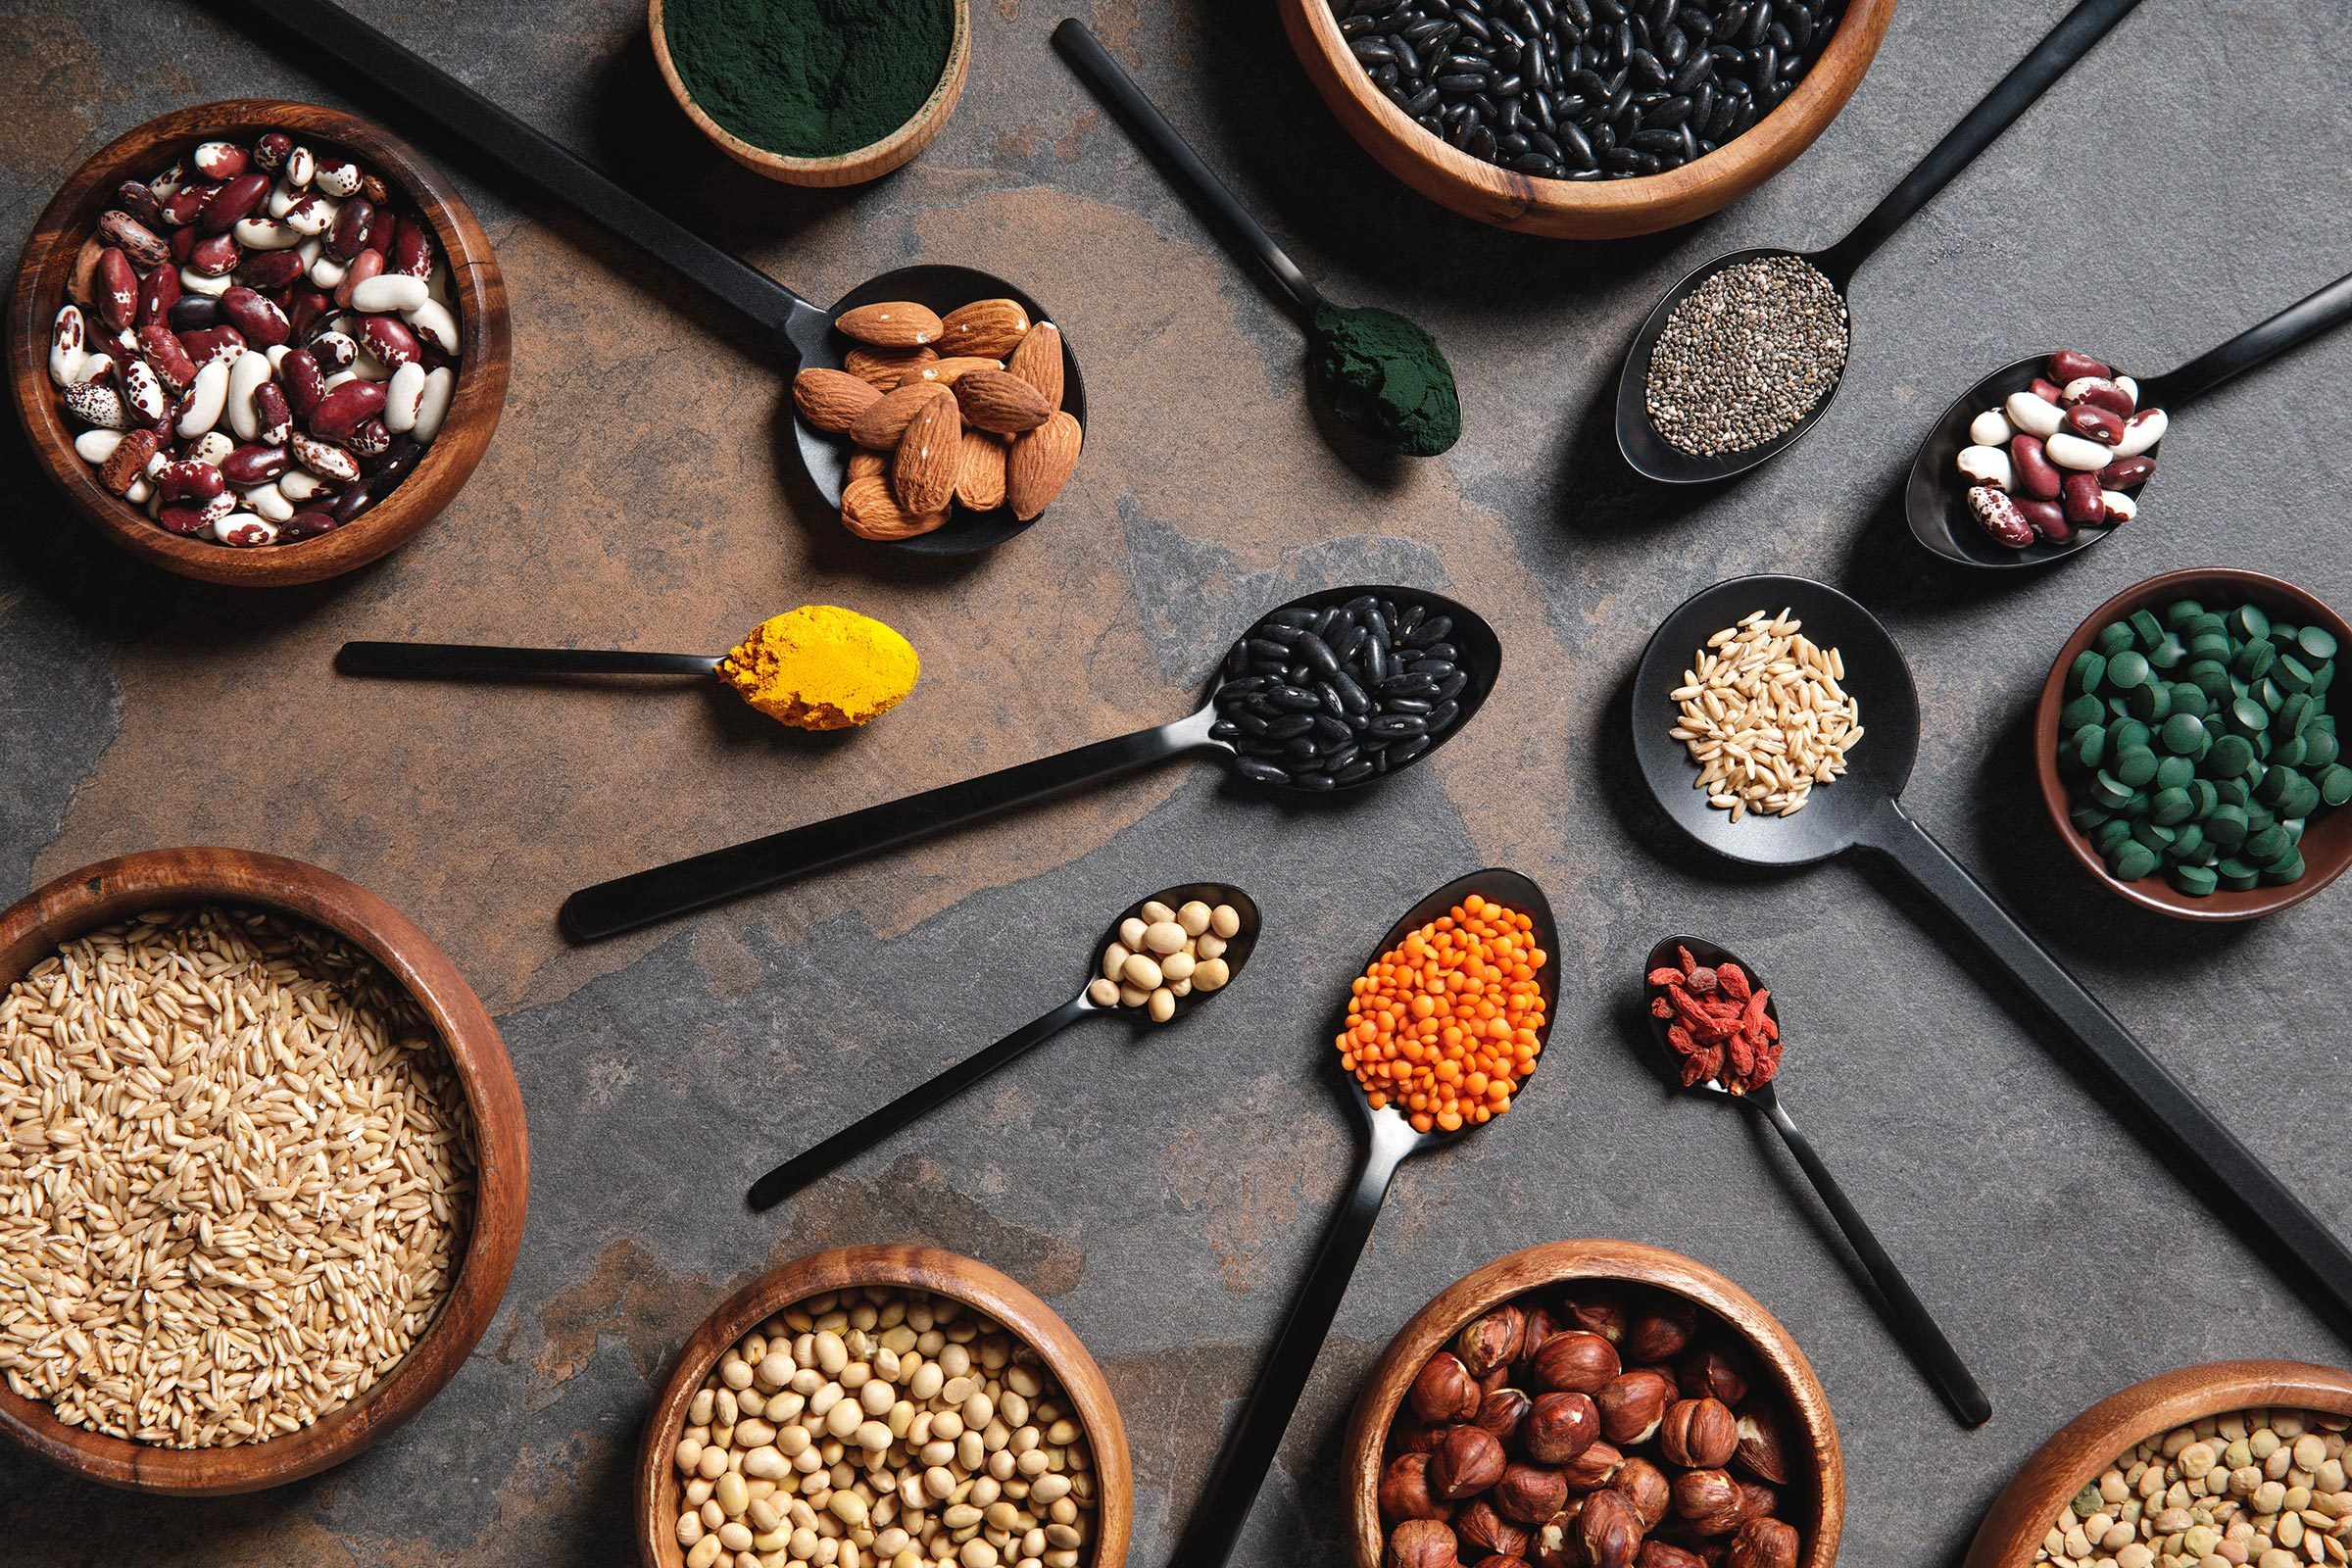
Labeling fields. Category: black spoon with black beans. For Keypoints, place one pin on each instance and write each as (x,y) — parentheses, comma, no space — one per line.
(1863,810)
(1743,356)
(1327,693)
(1586,89)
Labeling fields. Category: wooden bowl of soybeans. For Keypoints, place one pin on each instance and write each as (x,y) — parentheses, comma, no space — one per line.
(886,1399)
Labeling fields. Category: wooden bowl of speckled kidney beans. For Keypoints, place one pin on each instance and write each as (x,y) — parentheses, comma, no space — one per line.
(61,263)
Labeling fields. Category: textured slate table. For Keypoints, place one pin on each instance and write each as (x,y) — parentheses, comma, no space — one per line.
(1165,1192)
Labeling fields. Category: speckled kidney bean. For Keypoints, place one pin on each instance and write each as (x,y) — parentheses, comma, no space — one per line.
(2124,474)
(345,407)
(235,200)
(2070,365)
(215,256)
(389,340)
(2036,475)
(2080,500)
(349,236)
(270,269)
(256,315)
(168,356)
(2095,423)
(411,252)
(254,465)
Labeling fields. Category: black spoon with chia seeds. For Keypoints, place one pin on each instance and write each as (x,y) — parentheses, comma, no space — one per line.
(1646,445)
(1381,373)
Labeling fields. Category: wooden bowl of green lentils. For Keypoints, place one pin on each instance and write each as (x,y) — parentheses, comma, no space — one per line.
(2186,744)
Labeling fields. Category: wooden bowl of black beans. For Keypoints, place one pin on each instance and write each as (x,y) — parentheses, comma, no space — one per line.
(1586,119)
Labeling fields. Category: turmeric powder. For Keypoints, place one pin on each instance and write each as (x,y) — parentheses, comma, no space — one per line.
(822,667)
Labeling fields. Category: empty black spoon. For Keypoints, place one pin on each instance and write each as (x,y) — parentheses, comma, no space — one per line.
(626,903)
(1936,497)
(1861,810)
(871,1129)
(1389,1140)
(1656,458)
(1915,1328)
(802,331)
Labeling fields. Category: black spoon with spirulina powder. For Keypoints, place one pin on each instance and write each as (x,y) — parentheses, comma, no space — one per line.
(1383,375)
(1807,289)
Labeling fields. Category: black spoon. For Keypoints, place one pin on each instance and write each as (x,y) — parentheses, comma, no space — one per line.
(1389,1140)
(871,1129)
(1861,810)
(484,658)
(1936,497)
(644,896)
(1351,382)
(1652,453)
(1915,1328)
(802,331)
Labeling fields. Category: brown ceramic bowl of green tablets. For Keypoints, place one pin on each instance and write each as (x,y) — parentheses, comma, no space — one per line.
(2278,650)
(717,80)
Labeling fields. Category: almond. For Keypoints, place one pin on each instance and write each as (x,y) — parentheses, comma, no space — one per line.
(882,424)
(1040,464)
(930,453)
(1000,401)
(831,400)
(869,510)
(947,372)
(980,471)
(896,324)
(884,367)
(1038,361)
(988,328)
(868,464)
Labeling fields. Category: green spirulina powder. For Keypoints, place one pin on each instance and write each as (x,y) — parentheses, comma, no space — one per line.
(1384,375)
(810,78)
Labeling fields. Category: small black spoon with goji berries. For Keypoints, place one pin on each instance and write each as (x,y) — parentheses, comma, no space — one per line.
(1721,1034)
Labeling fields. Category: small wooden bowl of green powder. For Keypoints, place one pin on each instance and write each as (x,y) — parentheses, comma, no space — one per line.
(815,93)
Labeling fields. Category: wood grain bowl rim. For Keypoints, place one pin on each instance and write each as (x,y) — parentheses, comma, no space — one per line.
(860,164)
(2081,1450)
(121,887)
(1553,1263)
(2330,836)
(911,1267)
(1604,208)
(483,328)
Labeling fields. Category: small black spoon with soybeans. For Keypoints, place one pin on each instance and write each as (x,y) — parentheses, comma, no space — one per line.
(2047,456)
(1712,1017)
(1161,958)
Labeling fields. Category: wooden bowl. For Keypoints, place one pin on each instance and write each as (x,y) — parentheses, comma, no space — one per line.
(482,328)
(2081,1450)
(919,1268)
(2326,847)
(1818,1513)
(118,889)
(1567,209)
(853,168)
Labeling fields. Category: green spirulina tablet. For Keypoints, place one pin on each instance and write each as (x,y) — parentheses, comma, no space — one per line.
(2289,869)
(2226,825)
(2188,843)
(2182,732)
(2108,834)
(2249,716)
(2254,660)
(2268,844)
(2146,629)
(2169,654)
(2189,697)
(2180,611)
(2091,744)
(2231,755)
(2081,710)
(2090,669)
(2194,880)
(2135,766)
(2316,641)
(2168,807)
(2152,833)
(2132,859)
(2210,677)
(2151,701)
(2335,784)
(2320,747)
(2111,791)
(2249,621)
(2127,669)
(2292,673)
(2113,638)
(2174,772)
(2237,876)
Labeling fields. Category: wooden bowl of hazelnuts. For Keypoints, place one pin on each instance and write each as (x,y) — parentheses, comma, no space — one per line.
(1594,1404)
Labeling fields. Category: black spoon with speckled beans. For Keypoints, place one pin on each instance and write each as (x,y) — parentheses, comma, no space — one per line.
(802,331)
(1654,456)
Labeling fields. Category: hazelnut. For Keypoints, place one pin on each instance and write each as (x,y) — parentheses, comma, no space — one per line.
(1660,1330)
(1542,1328)
(1404,1490)
(1709,1501)
(1421,1543)
(1502,1411)
(1553,1542)
(1576,1361)
(1646,1488)
(1492,1343)
(1708,1373)
(1445,1390)
(1762,1450)
(1594,1312)
(1503,1562)
(1698,1434)
(1632,1406)
(1467,1461)
(1593,1467)
(1757,1502)
(1414,1437)
(1762,1544)
(1659,1554)
(1483,1525)
(1529,1493)
(1559,1427)
(1608,1531)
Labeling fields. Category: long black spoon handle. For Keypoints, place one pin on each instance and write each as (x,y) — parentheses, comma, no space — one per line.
(1923,1338)
(644,896)
(2307,318)
(1233,1486)
(2196,1147)
(2029,80)
(478,658)
(1177,159)
(871,1129)
(325,29)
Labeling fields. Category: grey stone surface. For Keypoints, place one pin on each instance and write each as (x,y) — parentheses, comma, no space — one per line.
(1165,1192)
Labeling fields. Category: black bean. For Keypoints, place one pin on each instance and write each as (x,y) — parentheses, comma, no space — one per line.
(1408,704)
(1263,772)
(1294,699)
(1452,686)
(1373,51)
(1657,141)
(1224,729)
(1398,726)
(1442,716)
(1356,26)
(1649,67)
(1352,773)
(1675,48)
(1405,750)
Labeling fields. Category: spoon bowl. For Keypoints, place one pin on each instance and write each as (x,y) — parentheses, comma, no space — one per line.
(1238,947)
(1665,956)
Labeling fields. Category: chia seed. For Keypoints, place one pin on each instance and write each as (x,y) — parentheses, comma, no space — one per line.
(1746,355)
